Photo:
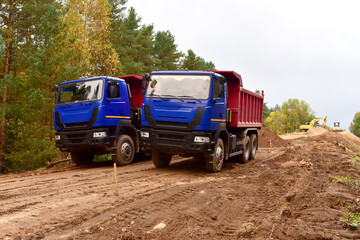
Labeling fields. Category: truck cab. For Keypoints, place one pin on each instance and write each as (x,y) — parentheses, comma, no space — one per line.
(189,113)
(98,115)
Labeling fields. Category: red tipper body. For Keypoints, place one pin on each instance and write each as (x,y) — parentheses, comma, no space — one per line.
(246,106)
(134,81)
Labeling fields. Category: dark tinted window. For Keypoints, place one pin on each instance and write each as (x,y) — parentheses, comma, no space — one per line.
(114,91)
(218,90)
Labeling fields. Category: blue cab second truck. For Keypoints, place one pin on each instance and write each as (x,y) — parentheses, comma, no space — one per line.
(207,114)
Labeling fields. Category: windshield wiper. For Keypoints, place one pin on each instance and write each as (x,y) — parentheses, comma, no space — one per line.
(190,97)
(157,95)
(169,95)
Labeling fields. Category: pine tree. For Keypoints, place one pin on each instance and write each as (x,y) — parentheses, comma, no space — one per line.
(193,62)
(165,51)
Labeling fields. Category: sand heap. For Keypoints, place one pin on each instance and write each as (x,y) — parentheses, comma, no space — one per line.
(268,138)
(316,131)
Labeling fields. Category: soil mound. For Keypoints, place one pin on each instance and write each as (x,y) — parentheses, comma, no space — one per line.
(316,131)
(268,138)
(351,139)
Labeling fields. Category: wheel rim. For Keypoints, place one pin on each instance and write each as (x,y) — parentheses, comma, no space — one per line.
(125,151)
(219,157)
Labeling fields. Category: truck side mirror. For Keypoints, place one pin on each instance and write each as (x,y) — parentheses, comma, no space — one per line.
(144,80)
(55,88)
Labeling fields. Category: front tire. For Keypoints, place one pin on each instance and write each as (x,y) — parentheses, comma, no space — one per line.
(215,163)
(81,157)
(160,159)
(125,150)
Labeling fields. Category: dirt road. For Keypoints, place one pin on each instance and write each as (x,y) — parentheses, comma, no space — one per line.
(286,193)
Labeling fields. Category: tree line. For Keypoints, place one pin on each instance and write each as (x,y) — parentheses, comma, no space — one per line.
(292,114)
(43,43)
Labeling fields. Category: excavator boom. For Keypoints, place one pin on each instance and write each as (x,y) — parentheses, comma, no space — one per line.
(306,127)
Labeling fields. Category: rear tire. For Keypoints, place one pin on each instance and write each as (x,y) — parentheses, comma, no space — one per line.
(160,159)
(125,150)
(253,146)
(244,156)
(215,163)
(82,157)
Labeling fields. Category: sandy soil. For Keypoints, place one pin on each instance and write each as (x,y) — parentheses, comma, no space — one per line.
(285,193)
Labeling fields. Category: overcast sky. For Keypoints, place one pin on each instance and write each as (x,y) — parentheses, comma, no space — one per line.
(308,49)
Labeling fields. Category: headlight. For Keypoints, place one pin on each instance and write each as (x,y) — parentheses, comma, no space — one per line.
(99,134)
(57,137)
(201,139)
(144,134)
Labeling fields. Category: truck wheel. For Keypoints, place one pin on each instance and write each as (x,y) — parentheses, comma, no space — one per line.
(253,146)
(215,163)
(244,157)
(125,150)
(81,157)
(160,159)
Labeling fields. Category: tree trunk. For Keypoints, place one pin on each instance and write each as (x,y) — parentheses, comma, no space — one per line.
(6,72)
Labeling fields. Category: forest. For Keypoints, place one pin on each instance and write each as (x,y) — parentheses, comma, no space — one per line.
(44,43)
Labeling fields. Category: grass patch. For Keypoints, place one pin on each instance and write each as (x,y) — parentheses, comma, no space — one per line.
(355,161)
(353,183)
(354,149)
(349,217)
(102,158)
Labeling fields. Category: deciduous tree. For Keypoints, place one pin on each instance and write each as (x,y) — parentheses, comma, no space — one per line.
(355,125)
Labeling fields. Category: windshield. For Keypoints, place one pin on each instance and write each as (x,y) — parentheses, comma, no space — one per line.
(179,86)
(81,91)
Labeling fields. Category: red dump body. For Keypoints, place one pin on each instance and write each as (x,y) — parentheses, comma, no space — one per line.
(246,106)
(134,81)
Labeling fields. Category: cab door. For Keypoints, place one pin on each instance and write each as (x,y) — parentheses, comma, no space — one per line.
(218,114)
(116,101)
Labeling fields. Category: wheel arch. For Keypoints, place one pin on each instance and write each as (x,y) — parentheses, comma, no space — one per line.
(125,127)
(224,135)
(254,131)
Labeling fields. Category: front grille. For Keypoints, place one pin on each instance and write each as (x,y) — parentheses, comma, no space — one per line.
(167,123)
(77,124)
(171,137)
(76,138)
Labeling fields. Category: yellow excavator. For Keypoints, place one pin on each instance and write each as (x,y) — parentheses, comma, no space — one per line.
(307,126)
(336,127)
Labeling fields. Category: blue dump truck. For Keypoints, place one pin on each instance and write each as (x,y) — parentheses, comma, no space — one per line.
(99,115)
(207,114)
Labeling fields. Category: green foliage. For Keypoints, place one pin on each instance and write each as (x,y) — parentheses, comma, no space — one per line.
(355,125)
(355,161)
(52,41)
(165,51)
(353,183)
(193,62)
(289,117)
(349,217)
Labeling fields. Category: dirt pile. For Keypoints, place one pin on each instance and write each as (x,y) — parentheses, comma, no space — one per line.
(316,131)
(302,191)
(351,139)
(268,138)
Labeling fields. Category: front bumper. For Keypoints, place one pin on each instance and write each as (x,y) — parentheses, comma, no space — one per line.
(176,142)
(82,139)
